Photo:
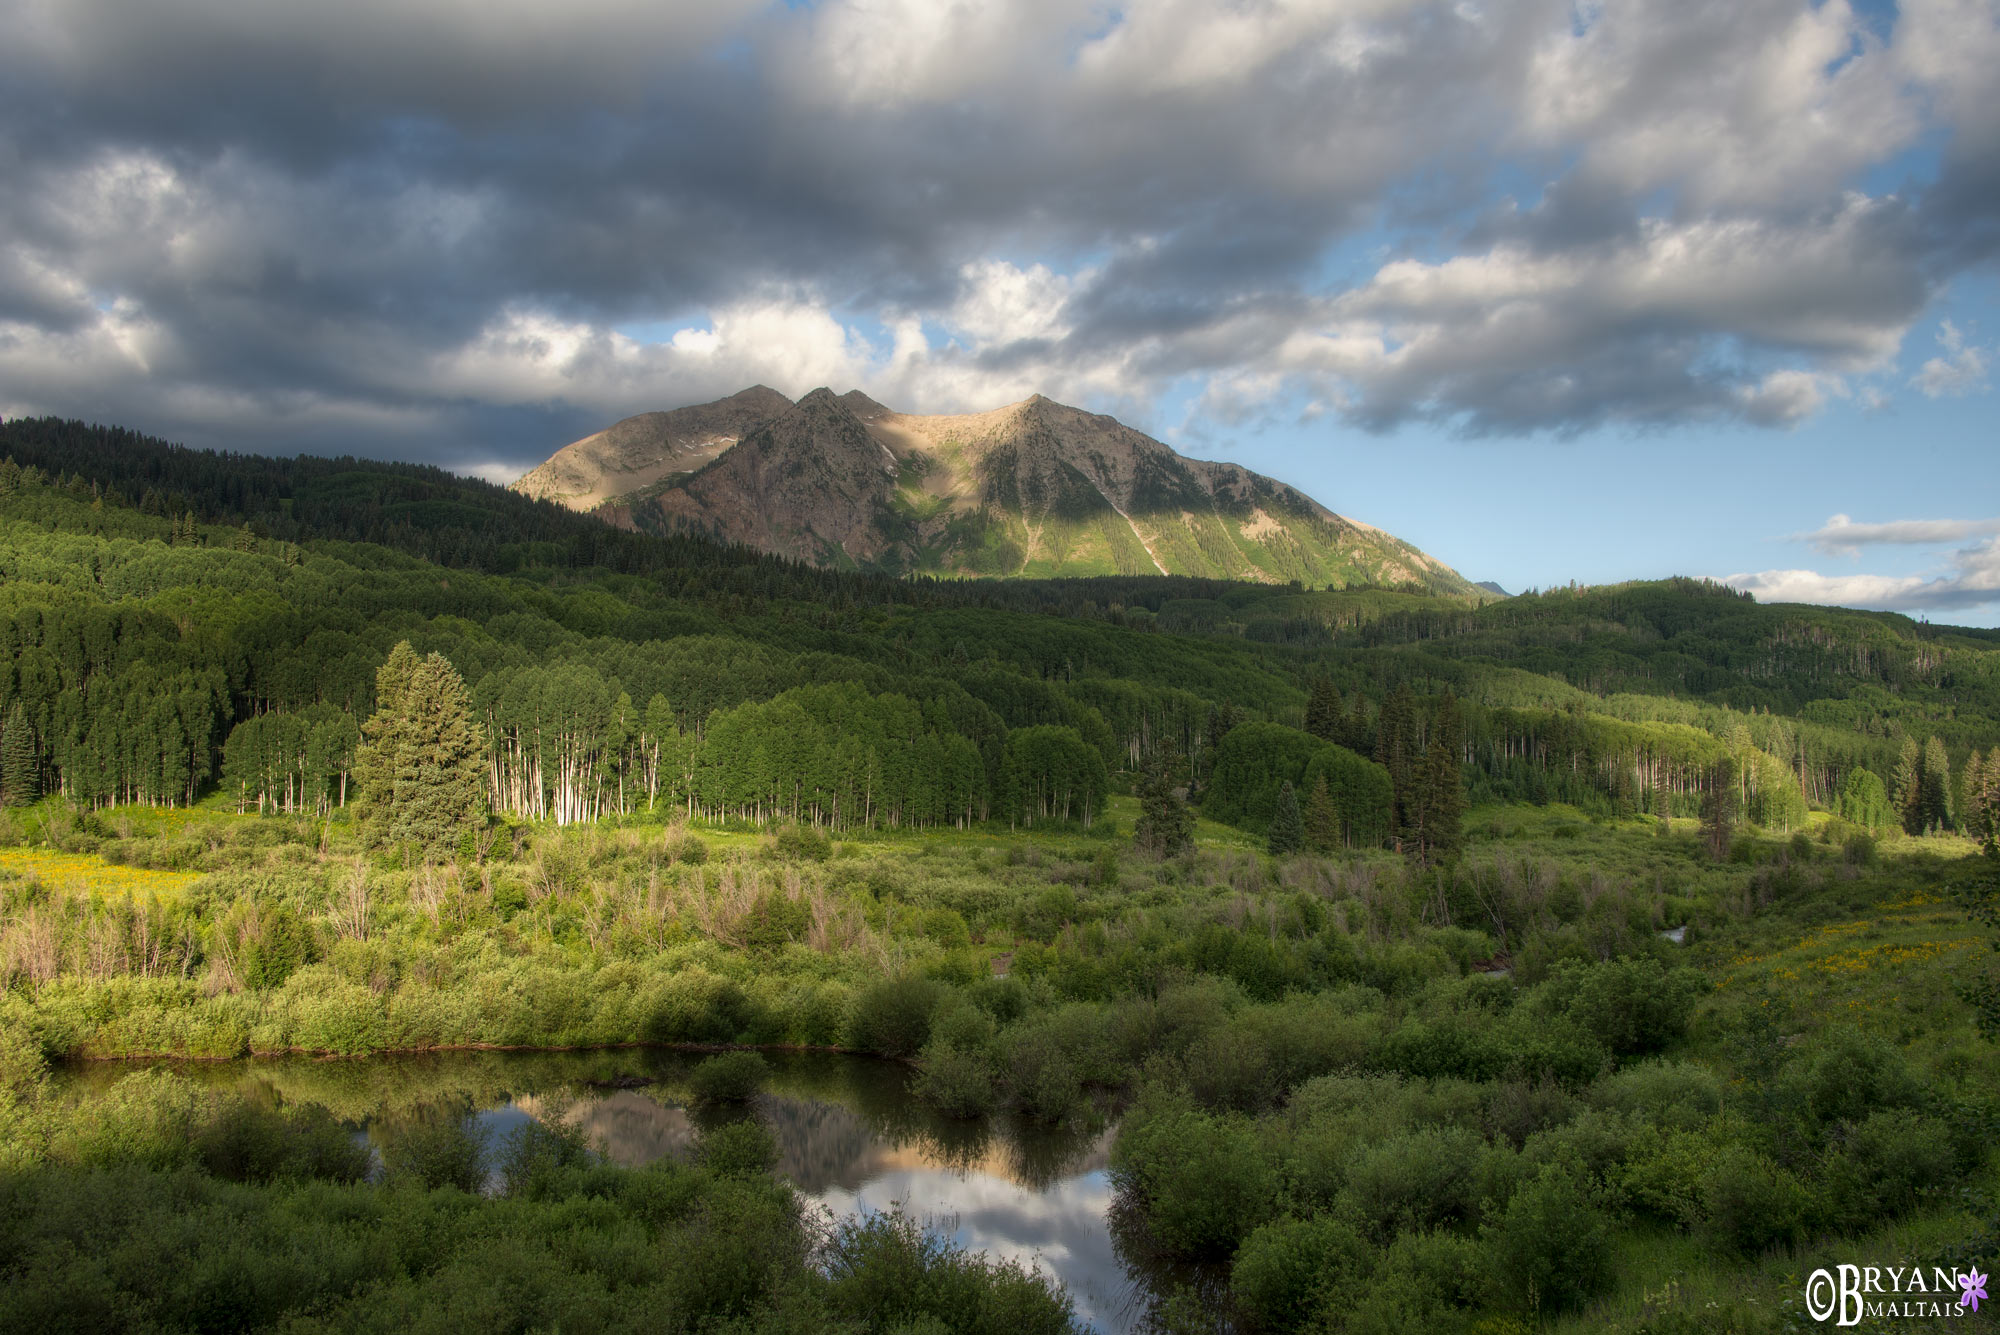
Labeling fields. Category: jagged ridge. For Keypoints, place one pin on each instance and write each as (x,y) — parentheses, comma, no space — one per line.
(1036,488)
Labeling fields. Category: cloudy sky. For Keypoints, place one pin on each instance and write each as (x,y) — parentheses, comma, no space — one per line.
(1556,290)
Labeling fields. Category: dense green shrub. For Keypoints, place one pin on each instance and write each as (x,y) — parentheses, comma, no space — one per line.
(1518,1109)
(1551,1247)
(1004,999)
(1550,1049)
(22,1063)
(893,1017)
(1423,1282)
(738,1149)
(1852,1075)
(1043,1070)
(1595,1143)
(1667,1093)
(149,1119)
(741,1239)
(886,1272)
(244,1143)
(947,927)
(957,1081)
(1419,1180)
(536,1154)
(1288,1269)
(1632,1006)
(802,843)
(774,920)
(1230,1070)
(1047,1059)
(1750,1203)
(436,1148)
(1304,1037)
(1664,1171)
(268,942)
(1202,1179)
(729,1077)
(1890,1160)
(1040,918)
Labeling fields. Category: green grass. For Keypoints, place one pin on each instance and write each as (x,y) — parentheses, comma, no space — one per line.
(1226,981)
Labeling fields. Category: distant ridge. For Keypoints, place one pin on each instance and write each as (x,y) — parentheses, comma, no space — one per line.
(1035,488)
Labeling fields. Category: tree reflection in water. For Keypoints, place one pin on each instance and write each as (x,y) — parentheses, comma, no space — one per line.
(850,1136)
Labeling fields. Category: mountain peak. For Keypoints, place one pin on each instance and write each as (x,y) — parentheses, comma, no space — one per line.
(643,451)
(1035,488)
(862,406)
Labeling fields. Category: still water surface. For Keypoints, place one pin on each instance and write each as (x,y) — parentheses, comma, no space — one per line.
(850,1138)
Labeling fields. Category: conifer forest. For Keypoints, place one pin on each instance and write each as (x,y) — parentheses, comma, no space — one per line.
(1593,959)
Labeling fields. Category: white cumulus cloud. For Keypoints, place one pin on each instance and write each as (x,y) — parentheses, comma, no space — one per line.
(1960,370)
(1842,536)
(1971,579)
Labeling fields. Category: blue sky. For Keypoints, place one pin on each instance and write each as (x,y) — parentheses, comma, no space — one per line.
(1556,289)
(1620,504)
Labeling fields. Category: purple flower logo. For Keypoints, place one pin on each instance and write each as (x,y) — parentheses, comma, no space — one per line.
(1974,1285)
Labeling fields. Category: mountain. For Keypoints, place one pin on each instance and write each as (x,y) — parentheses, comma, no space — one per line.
(1036,488)
(650,448)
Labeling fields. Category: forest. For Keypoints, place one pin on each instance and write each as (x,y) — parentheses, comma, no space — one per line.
(1589,959)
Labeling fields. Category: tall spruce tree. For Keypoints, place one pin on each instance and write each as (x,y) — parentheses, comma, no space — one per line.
(20,772)
(1396,751)
(1909,784)
(1355,733)
(1322,819)
(1989,798)
(1323,717)
(1440,788)
(1934,788)
(420,767)
(1221,719)
(381,738)
(1166,825)
(1288,829)
(1973,816)
(1718,809)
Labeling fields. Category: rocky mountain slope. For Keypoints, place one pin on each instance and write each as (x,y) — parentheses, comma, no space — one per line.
(1036,488)
(631,455)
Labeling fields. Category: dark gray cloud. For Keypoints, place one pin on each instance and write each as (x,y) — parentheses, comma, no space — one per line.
(416,227)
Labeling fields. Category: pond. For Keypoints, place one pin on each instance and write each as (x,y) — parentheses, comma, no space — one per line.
(850,1138)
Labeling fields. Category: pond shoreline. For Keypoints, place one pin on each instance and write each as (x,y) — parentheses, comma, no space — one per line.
(327,1055)
(848,1135)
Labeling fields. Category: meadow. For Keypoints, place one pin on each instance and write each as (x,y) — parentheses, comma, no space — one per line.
(1350,1094)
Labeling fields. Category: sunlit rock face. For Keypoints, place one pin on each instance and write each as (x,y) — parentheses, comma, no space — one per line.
(1035,488)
